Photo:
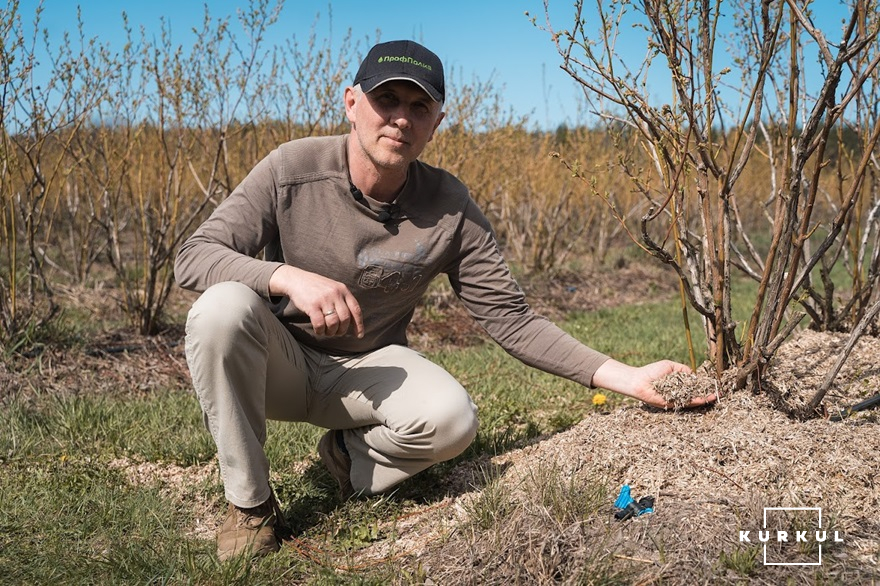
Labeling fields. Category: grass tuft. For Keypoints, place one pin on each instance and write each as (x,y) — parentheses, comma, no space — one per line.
(742,560)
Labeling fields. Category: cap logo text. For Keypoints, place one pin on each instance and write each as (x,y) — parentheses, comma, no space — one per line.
(404,59)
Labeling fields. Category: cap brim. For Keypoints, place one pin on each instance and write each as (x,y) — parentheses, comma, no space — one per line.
(371,84)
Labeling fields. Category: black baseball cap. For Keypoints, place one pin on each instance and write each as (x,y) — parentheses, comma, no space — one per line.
(406,60)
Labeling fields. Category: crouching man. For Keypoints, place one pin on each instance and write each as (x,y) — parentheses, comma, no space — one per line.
(352,229)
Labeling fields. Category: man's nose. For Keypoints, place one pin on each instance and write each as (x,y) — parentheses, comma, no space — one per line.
(400,117)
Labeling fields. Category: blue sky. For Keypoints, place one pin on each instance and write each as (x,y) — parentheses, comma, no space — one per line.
(486,39)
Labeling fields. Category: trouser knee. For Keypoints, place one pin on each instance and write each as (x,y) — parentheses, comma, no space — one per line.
(454,430)
(226,343)
(222,314)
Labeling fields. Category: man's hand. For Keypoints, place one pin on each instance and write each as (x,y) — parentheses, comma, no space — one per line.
(331,307)
(637,382)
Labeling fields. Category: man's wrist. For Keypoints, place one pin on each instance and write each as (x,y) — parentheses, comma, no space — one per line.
(614,376)
(278,281)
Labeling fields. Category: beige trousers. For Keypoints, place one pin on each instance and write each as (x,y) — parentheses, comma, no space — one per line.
(400,412)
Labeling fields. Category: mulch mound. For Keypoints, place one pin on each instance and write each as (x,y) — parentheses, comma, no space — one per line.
(712,472)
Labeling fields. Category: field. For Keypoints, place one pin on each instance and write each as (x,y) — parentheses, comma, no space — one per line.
(764,200)
(107,475)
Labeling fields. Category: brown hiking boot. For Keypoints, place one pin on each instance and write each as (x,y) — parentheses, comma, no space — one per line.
(338,463)
(250,531)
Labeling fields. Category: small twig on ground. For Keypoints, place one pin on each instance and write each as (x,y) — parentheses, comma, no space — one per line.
(857,332)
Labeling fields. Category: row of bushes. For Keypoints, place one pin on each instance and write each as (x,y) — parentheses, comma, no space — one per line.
(111,161)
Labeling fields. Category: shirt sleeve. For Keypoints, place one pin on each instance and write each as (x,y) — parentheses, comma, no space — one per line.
(225,246)
(482,280)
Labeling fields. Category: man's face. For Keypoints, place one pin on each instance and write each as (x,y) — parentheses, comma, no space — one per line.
(393,123)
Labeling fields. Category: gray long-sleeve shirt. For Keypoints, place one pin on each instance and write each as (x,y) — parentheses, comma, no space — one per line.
(296,204)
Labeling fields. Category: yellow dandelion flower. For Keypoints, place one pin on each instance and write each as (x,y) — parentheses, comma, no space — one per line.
(599,399)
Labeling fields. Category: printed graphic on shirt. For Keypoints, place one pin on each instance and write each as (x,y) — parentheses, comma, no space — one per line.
(391,274)
(389,279)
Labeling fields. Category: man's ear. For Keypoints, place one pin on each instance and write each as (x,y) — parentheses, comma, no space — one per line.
(440,118)
(350,103)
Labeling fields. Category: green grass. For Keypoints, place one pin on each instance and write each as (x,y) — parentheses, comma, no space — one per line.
(165,426)
(70,517)
(742,560)
(78,522)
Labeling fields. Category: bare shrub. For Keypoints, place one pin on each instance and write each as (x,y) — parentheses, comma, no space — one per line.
(180,149)
(38,122)
(699,146)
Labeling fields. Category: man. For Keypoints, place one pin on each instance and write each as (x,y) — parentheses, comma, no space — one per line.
(353,229)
